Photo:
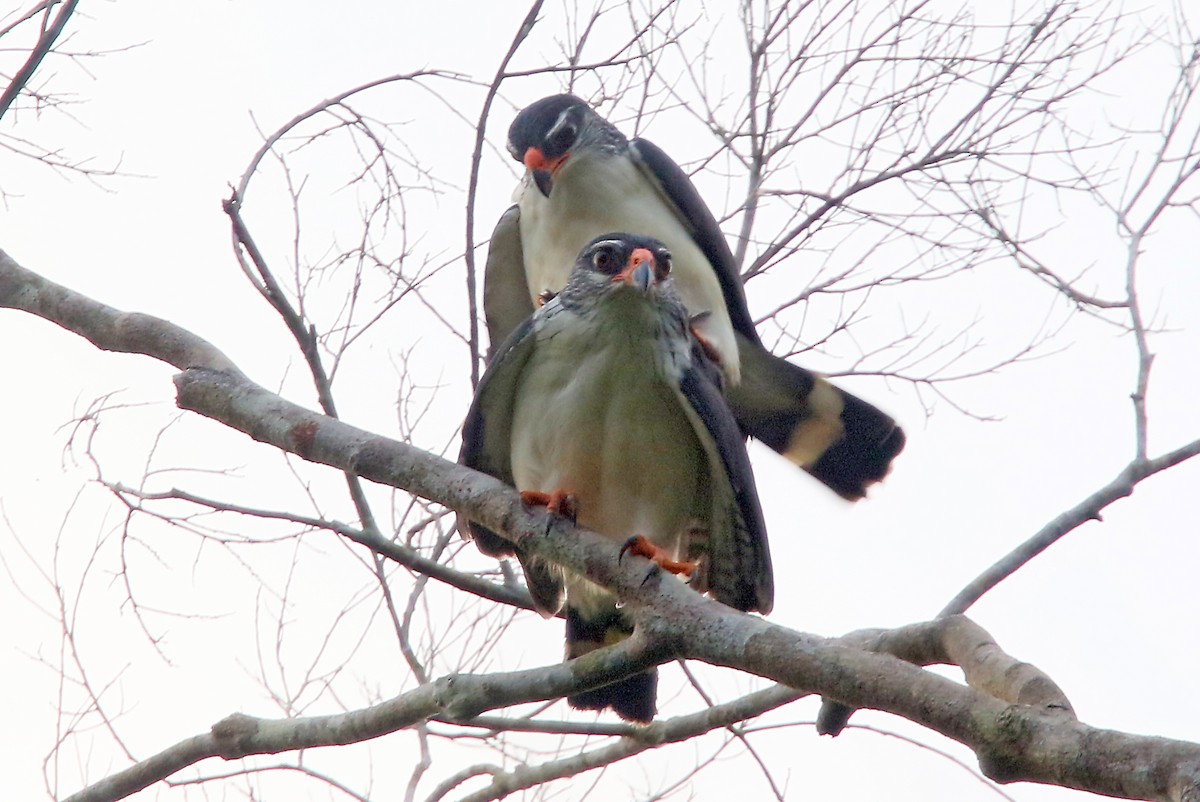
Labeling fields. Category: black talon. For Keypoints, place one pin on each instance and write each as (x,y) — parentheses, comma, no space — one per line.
(651,574)
(629,543)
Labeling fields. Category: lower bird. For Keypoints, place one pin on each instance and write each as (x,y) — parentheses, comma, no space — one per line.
(605,406)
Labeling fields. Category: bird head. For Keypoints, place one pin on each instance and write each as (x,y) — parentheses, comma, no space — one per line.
(548,133)
(613,262)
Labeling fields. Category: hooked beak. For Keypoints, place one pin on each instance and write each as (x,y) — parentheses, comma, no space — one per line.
(543,169)
(639,271)
(543,181)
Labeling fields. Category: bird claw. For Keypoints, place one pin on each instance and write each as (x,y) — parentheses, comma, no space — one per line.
(628,545)
(561,502)
(642,547)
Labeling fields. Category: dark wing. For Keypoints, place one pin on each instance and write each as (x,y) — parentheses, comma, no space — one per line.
(505,291)
(739,567)
(676,188)
(840,439)
(487,431)
(487,447)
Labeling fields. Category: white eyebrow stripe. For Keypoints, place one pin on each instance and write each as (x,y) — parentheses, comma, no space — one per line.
(564,117)
(616,242)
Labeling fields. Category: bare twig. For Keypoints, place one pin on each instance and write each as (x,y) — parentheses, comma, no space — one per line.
(523,31)
(1087,510)
(45,44)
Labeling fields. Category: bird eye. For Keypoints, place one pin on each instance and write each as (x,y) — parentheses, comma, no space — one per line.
(561,140)
(664,262)
(603,259)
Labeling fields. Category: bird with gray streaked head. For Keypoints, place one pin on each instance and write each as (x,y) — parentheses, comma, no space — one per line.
(604,406)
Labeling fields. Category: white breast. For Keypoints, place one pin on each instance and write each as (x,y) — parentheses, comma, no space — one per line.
(598,194)
(594,416)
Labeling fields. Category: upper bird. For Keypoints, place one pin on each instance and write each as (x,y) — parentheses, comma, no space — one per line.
(603,405)
(584,178)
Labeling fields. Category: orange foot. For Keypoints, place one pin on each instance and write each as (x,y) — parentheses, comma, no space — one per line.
(709,349)
(560,502)
(660,557)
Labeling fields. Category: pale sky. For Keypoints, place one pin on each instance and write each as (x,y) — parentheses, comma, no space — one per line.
(1110,612)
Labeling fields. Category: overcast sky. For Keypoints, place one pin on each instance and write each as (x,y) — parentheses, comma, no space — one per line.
(1110,613)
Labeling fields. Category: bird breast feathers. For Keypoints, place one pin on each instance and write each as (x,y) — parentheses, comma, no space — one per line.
(597,413)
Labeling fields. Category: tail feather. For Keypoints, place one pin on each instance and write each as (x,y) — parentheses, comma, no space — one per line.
(840,439)
(632,698)
(865,452)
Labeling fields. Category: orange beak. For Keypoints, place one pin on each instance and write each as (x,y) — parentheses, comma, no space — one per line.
(639,271)
(542,169)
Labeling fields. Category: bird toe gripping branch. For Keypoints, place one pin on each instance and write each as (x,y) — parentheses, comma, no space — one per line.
(562,503)
(639,545)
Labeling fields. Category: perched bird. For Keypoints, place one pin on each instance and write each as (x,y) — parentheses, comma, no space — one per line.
(583,177)
(604,406)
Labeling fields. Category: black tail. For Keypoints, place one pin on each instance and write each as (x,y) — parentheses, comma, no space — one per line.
(864,454)
(838,438)
(632,698)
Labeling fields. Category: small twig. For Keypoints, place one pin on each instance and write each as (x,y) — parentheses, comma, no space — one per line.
(652,736)
(473,184)
(372,539)
(40,50)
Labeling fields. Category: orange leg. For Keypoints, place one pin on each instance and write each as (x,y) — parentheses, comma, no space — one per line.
(706,346)
(644,548)
(560,502)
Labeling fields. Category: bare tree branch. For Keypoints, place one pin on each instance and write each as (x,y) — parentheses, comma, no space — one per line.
(522,34)
(864,160)
(1014,741)
(1122,486)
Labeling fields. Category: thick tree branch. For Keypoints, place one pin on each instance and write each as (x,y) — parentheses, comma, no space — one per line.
(131,332)
(1013,741)
(958,641)
(107,328)
(456,696)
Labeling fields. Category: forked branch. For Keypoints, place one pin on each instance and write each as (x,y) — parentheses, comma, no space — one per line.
(1015,740)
